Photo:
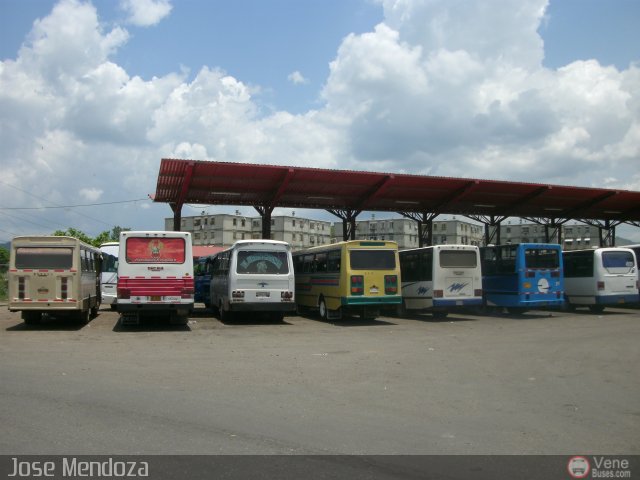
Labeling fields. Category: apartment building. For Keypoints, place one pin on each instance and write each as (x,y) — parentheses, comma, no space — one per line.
(573,236)
(404,231)
(225,229)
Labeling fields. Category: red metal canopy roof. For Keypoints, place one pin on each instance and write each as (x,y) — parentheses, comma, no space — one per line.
(224,183)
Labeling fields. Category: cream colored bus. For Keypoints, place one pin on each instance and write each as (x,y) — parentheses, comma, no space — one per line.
(59,276)
(357,276)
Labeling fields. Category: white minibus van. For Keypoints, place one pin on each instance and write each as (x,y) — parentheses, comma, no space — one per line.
(155,276)
(440,278)
(595,278)
(253,276)
(109,273)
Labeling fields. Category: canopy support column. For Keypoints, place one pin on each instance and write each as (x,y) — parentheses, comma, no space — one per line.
(348,222)
(265,213)
(425,226)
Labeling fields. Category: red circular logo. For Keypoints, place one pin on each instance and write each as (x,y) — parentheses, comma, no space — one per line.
(578,467)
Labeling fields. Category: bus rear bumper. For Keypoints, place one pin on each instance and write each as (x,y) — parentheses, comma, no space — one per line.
(178,308)
(263,307)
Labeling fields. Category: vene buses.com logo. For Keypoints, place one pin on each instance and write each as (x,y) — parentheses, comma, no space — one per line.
(578,467)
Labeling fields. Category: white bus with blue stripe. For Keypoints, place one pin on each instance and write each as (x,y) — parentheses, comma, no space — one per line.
(440,278)
(601,277)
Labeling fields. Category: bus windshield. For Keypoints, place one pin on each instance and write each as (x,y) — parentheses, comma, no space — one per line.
(458,259)
(109,263)
(372,259)
(262,262)
(44,257)
(541,258)
(618,262)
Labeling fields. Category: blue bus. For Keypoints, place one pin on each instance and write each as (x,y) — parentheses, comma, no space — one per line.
(202,279)
(522,276)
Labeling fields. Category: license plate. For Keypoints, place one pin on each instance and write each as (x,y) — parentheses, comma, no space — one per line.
(373,290)
(459,302)
(621,300)
(263,294)
(155,298)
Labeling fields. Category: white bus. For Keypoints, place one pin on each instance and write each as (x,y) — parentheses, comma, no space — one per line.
(109,273)
(440,278)
(53,275)
(636,250)
(253,276)
(155,276)
(599,277)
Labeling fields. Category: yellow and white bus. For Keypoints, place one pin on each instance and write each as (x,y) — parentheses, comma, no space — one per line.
(59,276)
(357,276)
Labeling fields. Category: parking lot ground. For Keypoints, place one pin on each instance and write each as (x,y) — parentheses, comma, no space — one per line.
(538,383)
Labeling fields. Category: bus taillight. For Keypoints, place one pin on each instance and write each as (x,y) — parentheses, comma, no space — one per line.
(357,284)
(530,274)
(63,288)
(390,284)
(286,296)
(477,292)
(600,285)
(438,293)
(555,273)
(187,292)
(124,293)
(21,288)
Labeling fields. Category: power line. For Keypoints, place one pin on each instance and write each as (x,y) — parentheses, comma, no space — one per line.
(74,206)
(57,206)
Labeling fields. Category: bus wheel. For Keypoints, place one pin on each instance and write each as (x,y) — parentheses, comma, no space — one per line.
(322,307)
(32,318)
(517,310)
(596,308)
(94,310)
(439,314)
(177,319)
(225,315)
(84,316)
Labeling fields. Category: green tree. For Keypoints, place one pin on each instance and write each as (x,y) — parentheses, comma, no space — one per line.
(4,256)
(106,236)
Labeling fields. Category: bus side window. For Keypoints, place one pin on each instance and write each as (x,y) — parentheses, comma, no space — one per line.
(333,261)
(306,266)
(320,263)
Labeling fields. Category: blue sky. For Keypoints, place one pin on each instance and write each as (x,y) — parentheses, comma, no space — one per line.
(483,89)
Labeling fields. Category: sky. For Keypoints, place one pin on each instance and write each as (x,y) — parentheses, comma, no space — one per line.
(94,94)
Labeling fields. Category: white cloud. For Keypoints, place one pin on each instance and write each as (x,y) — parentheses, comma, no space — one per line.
(441,87)
(145,13)
(91,194)
(297,78)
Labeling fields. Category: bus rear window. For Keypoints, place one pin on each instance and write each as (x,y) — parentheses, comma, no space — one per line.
(53,258)
(541,258)
(372,259)
(155,250)
(262,262)
(458,259)
(618,262)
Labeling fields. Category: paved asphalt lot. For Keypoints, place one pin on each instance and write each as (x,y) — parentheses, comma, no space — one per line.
(542,383)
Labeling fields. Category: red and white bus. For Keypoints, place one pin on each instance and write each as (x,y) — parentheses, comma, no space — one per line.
(155,276)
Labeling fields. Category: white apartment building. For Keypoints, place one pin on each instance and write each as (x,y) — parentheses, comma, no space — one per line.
(225,229)
(404,232)
(573,237)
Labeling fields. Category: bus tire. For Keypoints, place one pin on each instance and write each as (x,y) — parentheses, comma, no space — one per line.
(225,315)
(322,308)
(83,316)
(32,318)
(177,319)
